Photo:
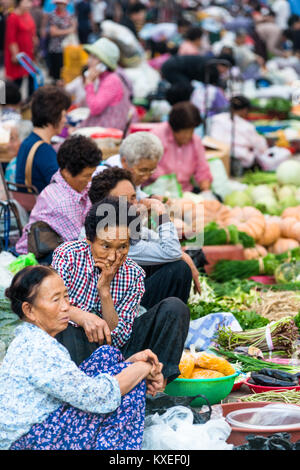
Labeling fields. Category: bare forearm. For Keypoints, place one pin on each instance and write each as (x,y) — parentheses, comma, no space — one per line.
(109,313)
(132,376)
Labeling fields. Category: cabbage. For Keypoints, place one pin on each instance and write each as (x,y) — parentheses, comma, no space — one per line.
(286,191)
(262,192)
(238,198)
(269,205)
(288,172)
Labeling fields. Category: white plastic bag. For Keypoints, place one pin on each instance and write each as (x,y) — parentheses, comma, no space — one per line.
(271,159)
(174,430)
(5,275)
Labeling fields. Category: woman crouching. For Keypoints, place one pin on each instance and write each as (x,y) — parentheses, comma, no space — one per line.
(46,401)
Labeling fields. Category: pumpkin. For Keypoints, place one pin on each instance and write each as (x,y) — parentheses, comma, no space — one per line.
(256,252)
(291,212)
(287,272)
(214,211)
(282,245)
(271,232)
(248,220)
(290,228)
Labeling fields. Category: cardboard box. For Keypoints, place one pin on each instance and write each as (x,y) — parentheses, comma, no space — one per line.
(217,149)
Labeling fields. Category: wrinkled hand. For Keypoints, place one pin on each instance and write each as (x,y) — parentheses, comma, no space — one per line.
(155,384)
(147,356)
(108,271)
(154,205)
(96,329)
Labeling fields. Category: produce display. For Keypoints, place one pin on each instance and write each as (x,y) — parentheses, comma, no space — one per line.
(204,366)
(291,397)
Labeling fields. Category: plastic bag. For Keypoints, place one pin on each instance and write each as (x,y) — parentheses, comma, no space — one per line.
(162,402)
(174,430)
(278,414)
(271,159)
(165,185)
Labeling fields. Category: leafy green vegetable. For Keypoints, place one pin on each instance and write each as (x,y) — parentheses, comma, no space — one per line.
(248,363)
(259,177)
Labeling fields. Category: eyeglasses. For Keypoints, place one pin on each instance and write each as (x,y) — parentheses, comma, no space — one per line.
(144,171)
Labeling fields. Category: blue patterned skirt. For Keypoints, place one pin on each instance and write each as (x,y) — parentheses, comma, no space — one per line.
(69,428)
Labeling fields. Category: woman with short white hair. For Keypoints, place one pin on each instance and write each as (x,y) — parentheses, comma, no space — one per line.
(139,153)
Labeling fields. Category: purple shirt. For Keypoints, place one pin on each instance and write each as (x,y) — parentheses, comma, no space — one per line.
(61,207)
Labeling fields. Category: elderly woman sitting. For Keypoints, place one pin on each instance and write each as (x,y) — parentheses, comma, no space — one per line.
(106,287)
(46,401)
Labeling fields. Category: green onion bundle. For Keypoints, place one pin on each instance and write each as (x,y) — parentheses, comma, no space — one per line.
(226,270)
(276,336)
(249,364)
(215,235)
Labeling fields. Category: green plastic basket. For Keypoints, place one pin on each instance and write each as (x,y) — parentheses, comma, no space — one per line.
(215,390)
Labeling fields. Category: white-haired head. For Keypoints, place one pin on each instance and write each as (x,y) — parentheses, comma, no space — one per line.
(141,145)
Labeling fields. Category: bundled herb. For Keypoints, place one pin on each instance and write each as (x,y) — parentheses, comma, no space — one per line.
(226,270)
(280,336)
(215,235)
(249,363)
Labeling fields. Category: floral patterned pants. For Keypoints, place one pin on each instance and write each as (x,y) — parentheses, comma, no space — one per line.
(69,428)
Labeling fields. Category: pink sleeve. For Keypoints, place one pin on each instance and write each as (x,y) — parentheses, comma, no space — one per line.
(110,92)
(202,167)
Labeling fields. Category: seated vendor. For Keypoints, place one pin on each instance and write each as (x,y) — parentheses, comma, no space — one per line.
(64,203)
(105,288)
(46,401)
(184,153)
(158,252)
(248,143)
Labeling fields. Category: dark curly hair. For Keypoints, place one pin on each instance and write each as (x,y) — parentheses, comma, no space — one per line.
(78,152)
(112,212)
(24,286)
(48,103)
(107,180)
(184,115)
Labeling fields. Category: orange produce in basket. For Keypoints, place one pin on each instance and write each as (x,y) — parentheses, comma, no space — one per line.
(206,374)
(219,364)
(186,365)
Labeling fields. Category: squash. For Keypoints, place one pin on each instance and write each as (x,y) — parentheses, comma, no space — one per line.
(248,220)
(271,232)
(282,245)
(214,211)
(290,228)
(291,212)
(256,252)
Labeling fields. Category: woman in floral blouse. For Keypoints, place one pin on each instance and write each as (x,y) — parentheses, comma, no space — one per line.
(46,401)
